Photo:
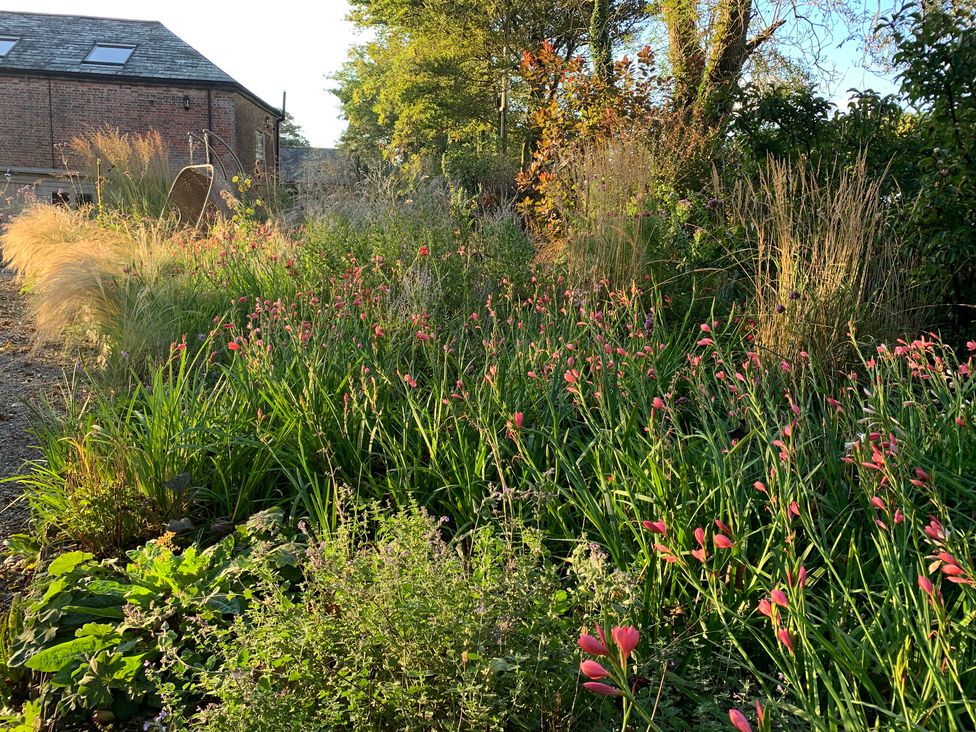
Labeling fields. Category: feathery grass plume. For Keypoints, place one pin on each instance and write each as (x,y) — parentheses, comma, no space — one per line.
(819,265)
(133,171)
(71,264)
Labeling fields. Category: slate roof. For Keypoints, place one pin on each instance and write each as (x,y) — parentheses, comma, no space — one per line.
(56,45)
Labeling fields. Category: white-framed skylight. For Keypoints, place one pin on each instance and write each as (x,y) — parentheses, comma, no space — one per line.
(109,54)
(6,44)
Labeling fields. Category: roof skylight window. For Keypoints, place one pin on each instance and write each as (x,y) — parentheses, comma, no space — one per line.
(109,54)
(7,43)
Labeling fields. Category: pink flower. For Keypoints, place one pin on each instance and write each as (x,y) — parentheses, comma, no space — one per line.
(233,346)
(656,527)
(626,637)
(759,711)
(593,670)
(785,638)
(705,342)
(759,486)
(700,554)
(739,721)
(603,689)
(878,503)
(410,381)
(424,250)
(765,608)
(925,584)
(519,420)
(593,646)
(700,536)
(922,475)
(658,403)
(794,509)
(723,527)
(722,541)
(779,597)
(935,530)
(705,328)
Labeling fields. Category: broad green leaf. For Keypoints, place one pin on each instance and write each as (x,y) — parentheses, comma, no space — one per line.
(67,562)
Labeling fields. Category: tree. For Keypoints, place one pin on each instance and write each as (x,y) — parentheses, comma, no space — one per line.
(290,133)
(446,72)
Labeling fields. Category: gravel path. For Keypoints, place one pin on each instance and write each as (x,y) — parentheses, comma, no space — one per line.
(25,373)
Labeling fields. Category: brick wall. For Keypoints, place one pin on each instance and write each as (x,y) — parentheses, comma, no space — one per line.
(25,129)
(39,116)
(250,120)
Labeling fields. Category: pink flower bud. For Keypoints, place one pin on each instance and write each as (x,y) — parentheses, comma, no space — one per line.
(925,584)
(700,536)
(722,541)
(593,646)
(739,721)
(603,689)
(593,670)
(785,638)
(779,597)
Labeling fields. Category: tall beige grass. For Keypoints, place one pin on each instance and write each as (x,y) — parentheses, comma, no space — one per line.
(69,264)
(611,185)
(821,259)
(133,171)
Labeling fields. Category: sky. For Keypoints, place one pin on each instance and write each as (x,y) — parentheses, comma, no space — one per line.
(297,47)
(285,46)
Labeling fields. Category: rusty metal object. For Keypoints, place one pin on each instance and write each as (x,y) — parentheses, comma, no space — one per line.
(190,193)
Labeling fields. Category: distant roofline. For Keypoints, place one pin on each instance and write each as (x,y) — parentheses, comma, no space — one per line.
(233,84)
(84,17)
(149,80)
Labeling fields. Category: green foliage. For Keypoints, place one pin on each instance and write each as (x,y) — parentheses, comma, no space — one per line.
(407,632)
(936,54)
(89,631)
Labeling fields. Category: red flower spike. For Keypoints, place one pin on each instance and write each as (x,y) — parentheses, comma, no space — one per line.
(700,536)
(739,721)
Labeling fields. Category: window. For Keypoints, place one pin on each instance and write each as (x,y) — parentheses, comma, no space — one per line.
(6,43)
(258,146)
(109,54)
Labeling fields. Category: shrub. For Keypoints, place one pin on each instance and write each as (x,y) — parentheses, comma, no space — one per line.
(409,632)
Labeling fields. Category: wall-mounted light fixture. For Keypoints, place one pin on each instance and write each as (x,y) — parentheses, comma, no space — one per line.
(186,101)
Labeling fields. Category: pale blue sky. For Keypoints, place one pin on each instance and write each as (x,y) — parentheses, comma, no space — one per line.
(296,46)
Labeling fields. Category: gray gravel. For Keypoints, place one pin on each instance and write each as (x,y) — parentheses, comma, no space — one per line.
(26,372)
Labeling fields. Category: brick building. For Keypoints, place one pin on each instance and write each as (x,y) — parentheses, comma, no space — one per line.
(63,75)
